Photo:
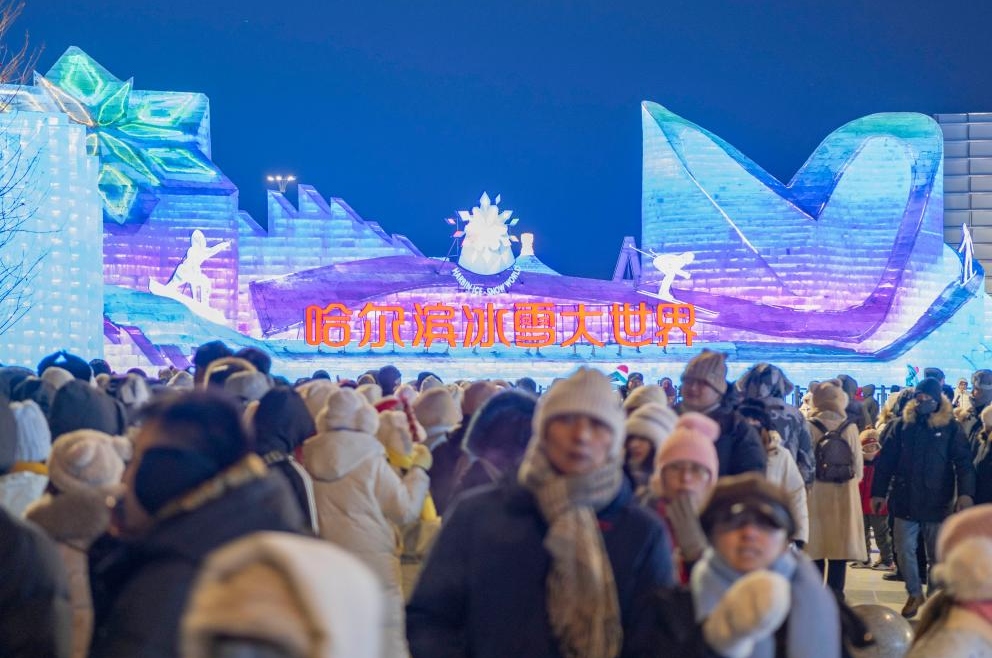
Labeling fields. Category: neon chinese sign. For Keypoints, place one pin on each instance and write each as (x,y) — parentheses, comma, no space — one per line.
(523,325)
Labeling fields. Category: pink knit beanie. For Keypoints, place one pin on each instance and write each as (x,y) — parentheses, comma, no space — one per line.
(692,440)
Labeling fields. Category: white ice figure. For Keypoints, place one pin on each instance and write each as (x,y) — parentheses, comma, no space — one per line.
(671,266)
(190,270)
(968,248)
(486,248)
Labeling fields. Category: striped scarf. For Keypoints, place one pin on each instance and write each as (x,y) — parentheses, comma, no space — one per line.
(582,595)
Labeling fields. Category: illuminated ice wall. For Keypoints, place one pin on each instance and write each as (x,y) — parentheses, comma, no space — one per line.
(51,283)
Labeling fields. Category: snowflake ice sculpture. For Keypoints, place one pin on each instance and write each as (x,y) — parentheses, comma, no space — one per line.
(486,248)
(150,143)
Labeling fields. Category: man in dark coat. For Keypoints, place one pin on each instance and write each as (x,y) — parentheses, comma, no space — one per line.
(192,486)
(35,613)
(924,463)
(704,390)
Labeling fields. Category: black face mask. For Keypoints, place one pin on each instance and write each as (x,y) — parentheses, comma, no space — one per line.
(927,407)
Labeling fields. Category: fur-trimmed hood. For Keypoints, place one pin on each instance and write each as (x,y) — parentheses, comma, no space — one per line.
(943,417)
(78,516)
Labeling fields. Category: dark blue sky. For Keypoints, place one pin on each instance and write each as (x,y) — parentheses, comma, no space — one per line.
(409,110)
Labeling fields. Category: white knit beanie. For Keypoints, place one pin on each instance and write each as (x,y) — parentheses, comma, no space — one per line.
(347,409)
(372,392)
(651,421)
(587,392)
(394,432)
(87,458)
(315,394)
(436,411)
(649,393)
(34,439)
(57,377)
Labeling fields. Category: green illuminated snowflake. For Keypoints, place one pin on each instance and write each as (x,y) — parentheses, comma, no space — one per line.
(149,143)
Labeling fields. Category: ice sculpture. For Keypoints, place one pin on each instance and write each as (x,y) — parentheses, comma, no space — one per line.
(486,248)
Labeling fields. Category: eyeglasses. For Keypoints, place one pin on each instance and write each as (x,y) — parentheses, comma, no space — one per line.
(683,468)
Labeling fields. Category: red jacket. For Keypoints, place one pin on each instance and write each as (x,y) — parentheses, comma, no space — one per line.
(865,488)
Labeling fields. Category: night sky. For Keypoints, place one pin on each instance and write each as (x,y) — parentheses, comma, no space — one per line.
(410,110)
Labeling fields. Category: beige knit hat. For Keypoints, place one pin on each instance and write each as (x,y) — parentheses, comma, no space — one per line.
(347,409)
(315,393)
(651,421)
(830,396)
(436,411)
(394,432)
(964,549)
(649,393)
(587,392)
(710,367)
(87,459)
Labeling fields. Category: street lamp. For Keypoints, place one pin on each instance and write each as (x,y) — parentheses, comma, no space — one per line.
(281,181)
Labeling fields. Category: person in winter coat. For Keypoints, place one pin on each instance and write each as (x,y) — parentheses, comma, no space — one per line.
(875,524)
(277,595)
(361,500)
(781,470)
(836,526)
(855,407)
(704,387)
(84,468)
(983,460)
(926,462)
(448,454)
(193,485)
(282,423)
(34,595)
(870,404)
(548,565)
(646,429)
(957,621)
(496,440)
(969,411)
(767,384)
(25,480)
(685,474)
(751,596)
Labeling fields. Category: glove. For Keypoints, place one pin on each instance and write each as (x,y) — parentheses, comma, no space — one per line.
(751,610)
(685,523)
(421,457)
(963,503)
(877,504)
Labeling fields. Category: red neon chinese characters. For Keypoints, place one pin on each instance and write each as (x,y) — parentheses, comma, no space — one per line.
(320,322)
(581,331)
(484,326)
(533,324)
(624,331)
(385,316)
(434,322)
(675,316)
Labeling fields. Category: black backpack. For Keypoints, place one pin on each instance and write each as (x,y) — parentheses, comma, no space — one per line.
(834,458)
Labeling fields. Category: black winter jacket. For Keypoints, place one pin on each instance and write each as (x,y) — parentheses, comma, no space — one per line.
(140,590)
(925,462)
(35,613)
(739,447)
(482,592)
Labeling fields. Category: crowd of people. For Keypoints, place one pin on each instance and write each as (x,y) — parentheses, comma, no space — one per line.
(226,511)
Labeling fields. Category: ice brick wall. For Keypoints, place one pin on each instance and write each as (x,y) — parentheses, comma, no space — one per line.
(50,228)
(315,234)
(968,181)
